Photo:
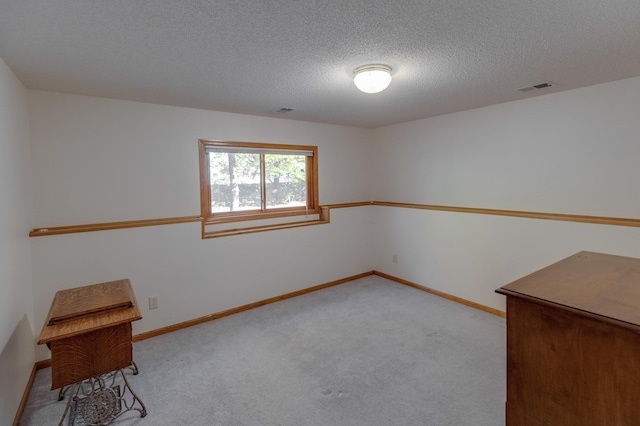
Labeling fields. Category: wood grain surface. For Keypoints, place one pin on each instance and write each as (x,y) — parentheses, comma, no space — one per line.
(94,335)
(564,369)
(91,299)
(573,343)
(87,323)
(90,354)
(599,284)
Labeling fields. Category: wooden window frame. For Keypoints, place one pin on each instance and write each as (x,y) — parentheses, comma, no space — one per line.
(209,217)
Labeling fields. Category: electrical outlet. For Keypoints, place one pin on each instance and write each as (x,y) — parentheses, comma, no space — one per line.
(395,258)
(153,302)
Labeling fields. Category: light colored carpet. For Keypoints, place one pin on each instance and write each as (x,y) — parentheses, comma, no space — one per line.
(368,352)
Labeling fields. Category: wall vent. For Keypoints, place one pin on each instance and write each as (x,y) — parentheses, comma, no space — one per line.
(537,87)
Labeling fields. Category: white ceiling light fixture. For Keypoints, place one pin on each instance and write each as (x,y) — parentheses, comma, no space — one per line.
(372,78)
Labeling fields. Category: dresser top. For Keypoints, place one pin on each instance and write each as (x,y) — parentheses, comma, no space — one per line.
(599,284)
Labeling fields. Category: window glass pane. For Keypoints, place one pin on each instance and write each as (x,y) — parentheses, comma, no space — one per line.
(286,180)
(235,182)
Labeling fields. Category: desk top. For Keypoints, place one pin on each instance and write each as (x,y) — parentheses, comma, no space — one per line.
(603,285)
(84,309)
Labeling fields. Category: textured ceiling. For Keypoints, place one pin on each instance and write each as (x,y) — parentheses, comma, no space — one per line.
(257,56)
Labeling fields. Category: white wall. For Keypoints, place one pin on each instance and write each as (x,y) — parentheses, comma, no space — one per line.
(570,152)
(103,160)
(16,297)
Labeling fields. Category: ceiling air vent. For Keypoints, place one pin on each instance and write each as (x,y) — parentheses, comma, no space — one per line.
(537,87)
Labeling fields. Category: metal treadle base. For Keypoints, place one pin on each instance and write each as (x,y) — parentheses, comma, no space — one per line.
(63,390)
(98,408)
(100,400)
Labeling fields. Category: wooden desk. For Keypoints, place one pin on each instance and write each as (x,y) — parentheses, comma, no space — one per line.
(573,343)
(88,330)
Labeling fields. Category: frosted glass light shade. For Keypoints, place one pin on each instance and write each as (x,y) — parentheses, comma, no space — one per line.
(372,78)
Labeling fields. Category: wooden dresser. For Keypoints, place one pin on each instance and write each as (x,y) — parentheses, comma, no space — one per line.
(573,343)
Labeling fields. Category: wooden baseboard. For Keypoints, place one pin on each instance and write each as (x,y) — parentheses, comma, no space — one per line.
(211,317)
(217,315)
(45,363)
(164,330)
(447,296)
(25,396)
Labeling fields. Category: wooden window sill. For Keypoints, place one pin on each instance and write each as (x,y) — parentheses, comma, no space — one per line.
(322,218)
(253,229)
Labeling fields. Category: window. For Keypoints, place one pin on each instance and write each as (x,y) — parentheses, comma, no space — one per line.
(247,180)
